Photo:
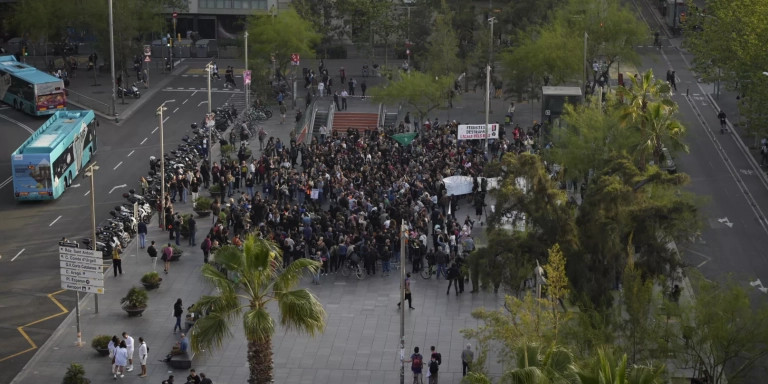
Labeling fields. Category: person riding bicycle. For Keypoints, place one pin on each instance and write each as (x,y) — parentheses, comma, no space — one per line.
(722,117)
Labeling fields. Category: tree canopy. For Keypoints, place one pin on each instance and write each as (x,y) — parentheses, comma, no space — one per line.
(280,36)
(420,91)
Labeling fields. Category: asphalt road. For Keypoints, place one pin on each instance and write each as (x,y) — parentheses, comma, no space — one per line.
(29,265)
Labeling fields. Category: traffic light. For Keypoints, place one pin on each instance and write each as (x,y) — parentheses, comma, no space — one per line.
(24,50)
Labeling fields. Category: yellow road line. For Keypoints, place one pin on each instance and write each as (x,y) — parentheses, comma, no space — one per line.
(32,345)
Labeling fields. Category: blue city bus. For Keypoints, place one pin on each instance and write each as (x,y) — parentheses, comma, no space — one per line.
(45,165)
(30,90)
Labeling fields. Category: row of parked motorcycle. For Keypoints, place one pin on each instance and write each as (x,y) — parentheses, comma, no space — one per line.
(119,229)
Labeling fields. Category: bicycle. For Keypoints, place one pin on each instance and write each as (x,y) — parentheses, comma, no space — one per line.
(428,272)
(349,266)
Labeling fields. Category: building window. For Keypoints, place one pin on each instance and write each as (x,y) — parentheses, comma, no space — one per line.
(259,4)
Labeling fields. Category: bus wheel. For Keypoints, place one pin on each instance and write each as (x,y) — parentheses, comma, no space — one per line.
(67,181)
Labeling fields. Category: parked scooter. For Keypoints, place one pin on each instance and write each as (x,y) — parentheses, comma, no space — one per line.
(130,91)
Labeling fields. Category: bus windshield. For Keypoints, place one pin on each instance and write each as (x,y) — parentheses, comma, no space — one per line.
(46,163)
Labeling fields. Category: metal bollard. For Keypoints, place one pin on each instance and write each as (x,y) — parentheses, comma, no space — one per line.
(117,118)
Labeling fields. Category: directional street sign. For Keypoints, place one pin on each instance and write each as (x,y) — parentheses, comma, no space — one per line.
(74,266)
(93,274)
(81,259)
(82,288)
(81,270)
(83,281)
(79,251)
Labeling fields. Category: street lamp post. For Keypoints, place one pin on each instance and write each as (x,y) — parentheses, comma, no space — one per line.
(209,68)
(112,60)
(403,241)
(247,87)
(488,82)
(160,110)
(91,172)
(584,73)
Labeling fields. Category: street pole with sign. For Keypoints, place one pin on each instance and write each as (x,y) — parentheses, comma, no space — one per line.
(81,271)
(209,69)
(160,110)
(90,173)
(403,242)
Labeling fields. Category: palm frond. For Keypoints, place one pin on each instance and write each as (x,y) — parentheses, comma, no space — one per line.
(258,325)
(530,375)
(209,332)
(291,275)
(230,257)
(217,278)
(302,311)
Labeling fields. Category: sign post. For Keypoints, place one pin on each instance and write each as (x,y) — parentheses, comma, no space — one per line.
(478,131)
(81,271)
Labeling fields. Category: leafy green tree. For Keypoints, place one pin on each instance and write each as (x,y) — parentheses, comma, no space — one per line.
(527,196)
(557,285)
(509,257)
(659,128)
(323,15)
(280,36)
(637,295)
(443,47)
(420,91)
(361,18)
(727,44)
(42,20)
(726,333)
(259,281)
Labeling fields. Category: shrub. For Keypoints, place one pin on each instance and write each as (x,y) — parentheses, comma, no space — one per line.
(101,341)
(136,298)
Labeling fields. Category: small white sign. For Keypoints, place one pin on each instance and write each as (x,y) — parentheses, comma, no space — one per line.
(83,273)
(73,265)
(83,281)
(478,131)
(82,288)
(81,259)
(79,251)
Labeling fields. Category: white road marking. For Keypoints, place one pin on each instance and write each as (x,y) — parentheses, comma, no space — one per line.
(193,93)
(155,130)
(177,108)
(166,119)
(184,102)
(20,124)
(54,221)
(6,182)
(201,103)
(143,141)
(116,187)
(18,254)
(129,155)
(87,193)
(118,164)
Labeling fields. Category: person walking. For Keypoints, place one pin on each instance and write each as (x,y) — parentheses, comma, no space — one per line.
(363,87)
(407,291)
(117,262)
(121,359)
(283,112)
(167,255)
(417,363)
(453,278)
(177,221)
(141,229)
(336,100)
(129,347)
(152,251)
(143,355)
(344,95)
(434,368)
(466,359)
(192,224)
(204,379)
(178,310)
(206,247)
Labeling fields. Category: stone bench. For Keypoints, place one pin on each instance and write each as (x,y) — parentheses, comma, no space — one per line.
(182,361)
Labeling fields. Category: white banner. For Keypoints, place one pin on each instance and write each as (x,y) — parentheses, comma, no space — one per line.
(462,185)
(477,131)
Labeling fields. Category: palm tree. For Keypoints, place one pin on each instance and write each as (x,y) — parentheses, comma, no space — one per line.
(608,369)
(539,365)
(657,126)
(644,89)
(256,278)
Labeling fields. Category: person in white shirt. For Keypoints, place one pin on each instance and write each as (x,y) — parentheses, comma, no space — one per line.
(121,359)
(143,355)
(129,349)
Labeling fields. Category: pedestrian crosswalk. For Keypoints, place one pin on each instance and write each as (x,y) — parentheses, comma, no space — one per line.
(214,90)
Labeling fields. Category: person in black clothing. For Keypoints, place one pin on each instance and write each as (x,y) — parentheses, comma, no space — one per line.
(205,380)
(336,100)
(453,278)
(178,310)
(722,117)
(192,229)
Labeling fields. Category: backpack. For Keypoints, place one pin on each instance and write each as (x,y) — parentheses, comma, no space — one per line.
(417,362)
(433,367)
